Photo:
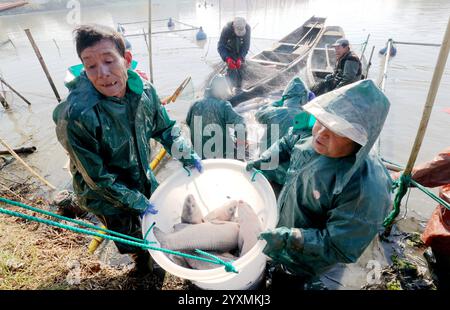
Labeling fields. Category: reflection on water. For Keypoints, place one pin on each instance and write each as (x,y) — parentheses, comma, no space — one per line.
(176,56)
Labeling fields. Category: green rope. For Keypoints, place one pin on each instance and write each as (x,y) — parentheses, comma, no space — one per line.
(228,266)
(401,191)
(431,194)
(402,185)
(255,173)
(81,223)
(187,170)
(148,230)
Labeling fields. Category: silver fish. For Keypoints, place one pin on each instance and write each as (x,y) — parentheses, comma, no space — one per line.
(250,227)
(209,236)
(180,261)
(191,213)
(201,265)
(180,226)
(223,213)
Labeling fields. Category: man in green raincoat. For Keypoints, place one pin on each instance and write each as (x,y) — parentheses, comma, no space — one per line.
(337,192)
(279,117)
(105,125)
(217,130)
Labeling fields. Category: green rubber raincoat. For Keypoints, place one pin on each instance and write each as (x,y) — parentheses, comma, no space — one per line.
(211,111)
(108,141)
(338,204)
(282,113)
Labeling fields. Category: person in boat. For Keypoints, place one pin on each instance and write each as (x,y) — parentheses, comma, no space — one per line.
(348,69)
(105,124)
(437,232)
(215,114)
(233,47)
(337,192)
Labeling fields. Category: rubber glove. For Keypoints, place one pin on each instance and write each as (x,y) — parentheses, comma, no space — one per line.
(311,96)
(238,63)
(282,238)
(198,164)
(230,62)
(151,209)
(253,164)
(195,162)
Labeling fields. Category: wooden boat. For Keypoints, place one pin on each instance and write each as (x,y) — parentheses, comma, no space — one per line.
(283,61)
(322,59)
(10,5)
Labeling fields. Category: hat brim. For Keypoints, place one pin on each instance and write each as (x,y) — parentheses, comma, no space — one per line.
(335,123)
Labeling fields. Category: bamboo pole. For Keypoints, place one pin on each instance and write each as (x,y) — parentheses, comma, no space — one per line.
(434,86)
(417,43)
(14,91)
(382,83)
(42,62)
(150,60)
(11,151)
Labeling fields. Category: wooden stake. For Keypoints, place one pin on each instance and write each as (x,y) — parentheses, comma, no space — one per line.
(4,102)
(44,66)
(14,91)
(434,86)
(150,61)
(11,151)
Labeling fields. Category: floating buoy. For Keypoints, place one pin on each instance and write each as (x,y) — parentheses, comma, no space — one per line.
(170,23)
(201,35)
(384,49)
(128,45)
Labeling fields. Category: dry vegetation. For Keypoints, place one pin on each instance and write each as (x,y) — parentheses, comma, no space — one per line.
(37,256)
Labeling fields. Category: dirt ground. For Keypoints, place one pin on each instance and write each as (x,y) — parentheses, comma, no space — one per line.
(37,256)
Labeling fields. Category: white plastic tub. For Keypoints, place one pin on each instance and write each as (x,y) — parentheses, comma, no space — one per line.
(221,180)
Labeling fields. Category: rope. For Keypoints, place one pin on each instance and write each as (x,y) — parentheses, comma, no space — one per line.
(255,173)
(402,186)
(141,244)
(60,217)
(431,194)
(401,191)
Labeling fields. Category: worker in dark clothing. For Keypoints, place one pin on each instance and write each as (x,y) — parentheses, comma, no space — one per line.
(348,69)
(233,46)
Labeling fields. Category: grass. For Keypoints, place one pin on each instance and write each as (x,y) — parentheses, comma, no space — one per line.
(35,256)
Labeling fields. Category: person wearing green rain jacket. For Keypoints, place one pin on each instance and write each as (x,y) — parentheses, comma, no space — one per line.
(217,130)
(282,113)
(337,191)
(105,124)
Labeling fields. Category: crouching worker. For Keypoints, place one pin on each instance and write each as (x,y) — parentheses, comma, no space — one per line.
(217,130)
(279,117)
(105,125)
(337,192)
